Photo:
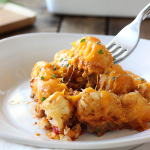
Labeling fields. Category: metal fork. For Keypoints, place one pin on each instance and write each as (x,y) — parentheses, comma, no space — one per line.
(127,39)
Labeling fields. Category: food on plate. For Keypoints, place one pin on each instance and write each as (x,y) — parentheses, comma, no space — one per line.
(82,89)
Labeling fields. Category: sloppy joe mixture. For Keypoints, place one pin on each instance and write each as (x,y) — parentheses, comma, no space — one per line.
(83,90)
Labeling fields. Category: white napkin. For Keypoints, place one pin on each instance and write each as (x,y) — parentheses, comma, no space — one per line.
(6,145)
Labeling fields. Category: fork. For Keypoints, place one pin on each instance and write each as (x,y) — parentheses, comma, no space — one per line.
(127,39)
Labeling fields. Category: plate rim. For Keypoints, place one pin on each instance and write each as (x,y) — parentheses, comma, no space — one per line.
(59,33)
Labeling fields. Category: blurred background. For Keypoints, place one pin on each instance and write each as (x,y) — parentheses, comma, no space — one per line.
(103,17)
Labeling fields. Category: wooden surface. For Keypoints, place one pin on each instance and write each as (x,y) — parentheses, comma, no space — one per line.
(15,17)
(46,22)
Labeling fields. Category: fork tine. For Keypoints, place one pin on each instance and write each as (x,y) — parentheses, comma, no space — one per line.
(114,49)
(122,57)
(119,52)
(111,44)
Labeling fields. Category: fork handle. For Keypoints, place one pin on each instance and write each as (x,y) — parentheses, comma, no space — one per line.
(143,13)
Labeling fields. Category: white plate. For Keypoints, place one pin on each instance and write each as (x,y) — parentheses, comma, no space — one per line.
(18,55)
(118,8)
